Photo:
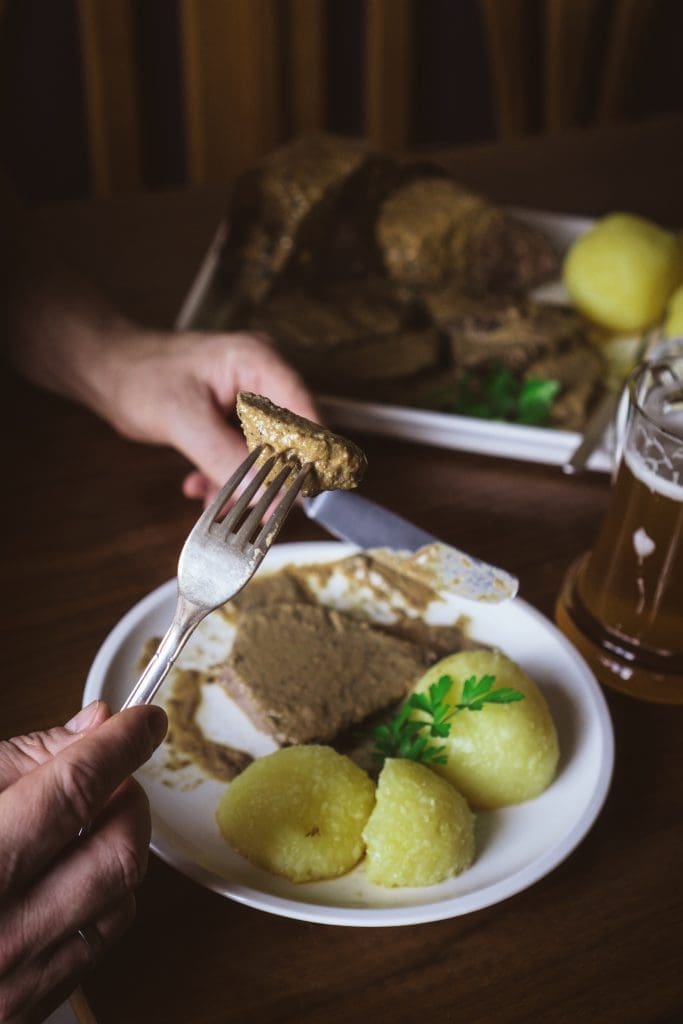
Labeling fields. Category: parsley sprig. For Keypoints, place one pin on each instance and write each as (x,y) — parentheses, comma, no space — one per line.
(410,737)
(498,394)
(477,692)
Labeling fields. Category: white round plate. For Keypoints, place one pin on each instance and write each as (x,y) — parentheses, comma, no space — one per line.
(516,846)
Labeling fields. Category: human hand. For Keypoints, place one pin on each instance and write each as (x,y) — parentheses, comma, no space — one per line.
(178,389)
(172,388)
(51,885)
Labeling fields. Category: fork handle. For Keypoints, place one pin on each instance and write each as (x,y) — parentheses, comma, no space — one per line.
(186,618)
(594,432)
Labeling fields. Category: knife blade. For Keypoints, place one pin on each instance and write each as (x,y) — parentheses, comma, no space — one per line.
(420,554)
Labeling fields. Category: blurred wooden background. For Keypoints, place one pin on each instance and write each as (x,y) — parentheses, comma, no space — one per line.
(103,97)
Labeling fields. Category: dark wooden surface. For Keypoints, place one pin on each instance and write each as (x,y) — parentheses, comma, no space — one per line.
(94,522)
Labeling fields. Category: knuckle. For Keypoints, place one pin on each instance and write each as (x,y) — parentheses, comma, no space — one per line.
(32,745)
(123,919)
(130,864)
(114,924)
(137,743)
(80,786)
(22,753)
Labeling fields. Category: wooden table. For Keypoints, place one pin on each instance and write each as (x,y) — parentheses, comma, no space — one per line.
(95,522)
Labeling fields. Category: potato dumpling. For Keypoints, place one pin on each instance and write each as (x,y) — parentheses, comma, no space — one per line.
(622,272)
(505,753)
(421,830)
(299,812)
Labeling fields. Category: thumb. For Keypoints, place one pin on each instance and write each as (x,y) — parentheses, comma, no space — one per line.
(43,811)
(22,754)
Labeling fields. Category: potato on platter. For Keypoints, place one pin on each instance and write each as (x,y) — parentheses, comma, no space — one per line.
(621,273)
(299,812)
(504,753)
(421,830)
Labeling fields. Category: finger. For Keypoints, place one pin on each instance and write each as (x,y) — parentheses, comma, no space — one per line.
(38,986)
(92,875)
(196,485)
(44,810)
(207,439)
(24,753)
(264,372)
(221,366)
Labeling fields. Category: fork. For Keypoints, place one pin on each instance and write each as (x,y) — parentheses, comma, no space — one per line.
(219,557)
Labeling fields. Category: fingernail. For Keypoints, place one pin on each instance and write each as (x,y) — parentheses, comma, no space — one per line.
(158,723)
(84,718)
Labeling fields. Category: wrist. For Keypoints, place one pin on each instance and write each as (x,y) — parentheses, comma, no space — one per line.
(116,380)
(65,337)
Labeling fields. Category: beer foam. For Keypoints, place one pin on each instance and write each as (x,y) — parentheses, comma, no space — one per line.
(671,489)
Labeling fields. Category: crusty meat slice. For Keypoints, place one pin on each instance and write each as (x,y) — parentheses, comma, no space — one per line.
(514,335)
(581,371)
(433,232)
(536,342)
(336,463)
(349,332)
(287,207)
(304,673)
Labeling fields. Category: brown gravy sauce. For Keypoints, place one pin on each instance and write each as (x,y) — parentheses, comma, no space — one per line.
(188,743)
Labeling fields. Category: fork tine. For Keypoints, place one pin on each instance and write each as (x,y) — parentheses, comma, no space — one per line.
(275,522)
(235,513)
(210,513)
(256,514)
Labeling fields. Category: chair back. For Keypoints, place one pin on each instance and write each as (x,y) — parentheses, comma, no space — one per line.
(562,62)
(253,73)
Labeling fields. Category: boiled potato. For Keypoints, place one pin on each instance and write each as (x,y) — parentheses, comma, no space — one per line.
(299,812)
(505,753)
(421,830)
(673,325)
(621,273)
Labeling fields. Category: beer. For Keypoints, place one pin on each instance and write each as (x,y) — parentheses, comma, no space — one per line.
(622,603)
(632,581)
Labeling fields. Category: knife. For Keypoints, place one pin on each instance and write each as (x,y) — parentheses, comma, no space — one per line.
(421,555)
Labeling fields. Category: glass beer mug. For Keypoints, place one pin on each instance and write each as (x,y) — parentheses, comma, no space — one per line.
(622,603)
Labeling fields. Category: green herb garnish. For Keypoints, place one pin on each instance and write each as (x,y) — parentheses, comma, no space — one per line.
(405,737)
(409,737)
(535,401)
(498,394)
